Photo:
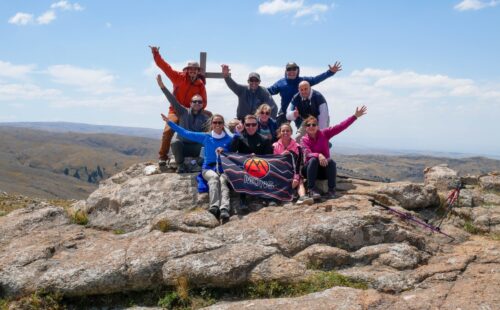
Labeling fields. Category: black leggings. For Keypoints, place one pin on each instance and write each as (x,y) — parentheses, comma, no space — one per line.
(313,171)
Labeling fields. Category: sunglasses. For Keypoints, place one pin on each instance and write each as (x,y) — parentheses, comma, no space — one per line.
(218,122)
(197,101)
(254,81)
(311,125)
(265,112)
(291,69)
(251,125)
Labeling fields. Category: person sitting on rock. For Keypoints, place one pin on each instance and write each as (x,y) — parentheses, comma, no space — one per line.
(267,126)
(318,164)
(214,142)
(286,145)
(250,96)
(192,119)
(248,141)
(186,84)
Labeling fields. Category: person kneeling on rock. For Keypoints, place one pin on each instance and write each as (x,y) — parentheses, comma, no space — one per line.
(192,119)
(215,141)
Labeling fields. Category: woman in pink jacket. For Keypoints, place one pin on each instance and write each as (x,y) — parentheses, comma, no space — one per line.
(286,145)
(318,164)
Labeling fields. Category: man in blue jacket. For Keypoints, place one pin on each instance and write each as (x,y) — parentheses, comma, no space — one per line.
(288,86)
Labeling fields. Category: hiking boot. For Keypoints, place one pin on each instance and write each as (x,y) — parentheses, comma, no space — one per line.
(243,208)
(162,163)
(224,216)
(331,194)
(314,193)
(215,211)
(305,200)
(182,169)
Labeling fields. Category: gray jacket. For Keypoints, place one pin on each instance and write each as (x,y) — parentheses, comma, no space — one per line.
(249,101)
(187,119)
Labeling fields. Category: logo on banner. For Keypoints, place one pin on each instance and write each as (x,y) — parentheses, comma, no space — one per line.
(256,167)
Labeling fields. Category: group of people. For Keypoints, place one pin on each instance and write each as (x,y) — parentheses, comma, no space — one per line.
(260,128)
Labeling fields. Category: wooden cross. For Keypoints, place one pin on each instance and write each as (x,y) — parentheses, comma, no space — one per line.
(203,65)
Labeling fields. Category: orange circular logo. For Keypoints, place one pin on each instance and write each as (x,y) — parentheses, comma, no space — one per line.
(256,167)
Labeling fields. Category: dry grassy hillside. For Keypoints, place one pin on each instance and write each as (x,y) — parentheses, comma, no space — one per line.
(411,168)
(65,165)
(47,164)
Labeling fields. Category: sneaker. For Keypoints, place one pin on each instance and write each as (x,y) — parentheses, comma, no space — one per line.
(224,216)
(305,200)
(215,211)
(331,194)
(272,203)
(162,163)
(314,193)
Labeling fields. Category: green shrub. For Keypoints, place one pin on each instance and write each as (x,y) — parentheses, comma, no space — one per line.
(163,225)
(40,301)
(118,231)
(470,228)
(4,304)
(80,218)
(318,282)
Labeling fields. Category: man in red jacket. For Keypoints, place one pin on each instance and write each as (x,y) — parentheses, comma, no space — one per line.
(186,85)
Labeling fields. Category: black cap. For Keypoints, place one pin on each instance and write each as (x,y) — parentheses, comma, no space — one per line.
(291,65)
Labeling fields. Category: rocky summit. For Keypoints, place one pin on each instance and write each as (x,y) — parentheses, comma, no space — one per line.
(143,229)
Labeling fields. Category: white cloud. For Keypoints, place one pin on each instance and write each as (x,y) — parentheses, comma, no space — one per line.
(67,6)
(298,7)
(9,92)
(475,5)
(315,10)
(94,81)
(46,18)
(21,19)
(277,6)
(15,71)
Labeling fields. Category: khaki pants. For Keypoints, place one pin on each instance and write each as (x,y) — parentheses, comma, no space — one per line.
(166,139)
(218,192)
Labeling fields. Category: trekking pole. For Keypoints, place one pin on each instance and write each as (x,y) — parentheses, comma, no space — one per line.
(452,200)
(406,216)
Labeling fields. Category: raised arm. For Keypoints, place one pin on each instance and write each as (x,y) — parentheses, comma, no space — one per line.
(173,75)
(179,109)
(190,135)
(235,87)
(335,130)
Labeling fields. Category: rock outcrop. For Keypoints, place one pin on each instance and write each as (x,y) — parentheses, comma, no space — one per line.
(147,229)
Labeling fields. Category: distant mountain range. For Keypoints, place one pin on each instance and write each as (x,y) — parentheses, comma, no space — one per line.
(67,160)
(340,148)
(87,128)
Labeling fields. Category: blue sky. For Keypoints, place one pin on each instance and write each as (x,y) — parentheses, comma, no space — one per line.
(429,71)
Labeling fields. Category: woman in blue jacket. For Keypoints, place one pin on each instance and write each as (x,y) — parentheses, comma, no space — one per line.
(216,140)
